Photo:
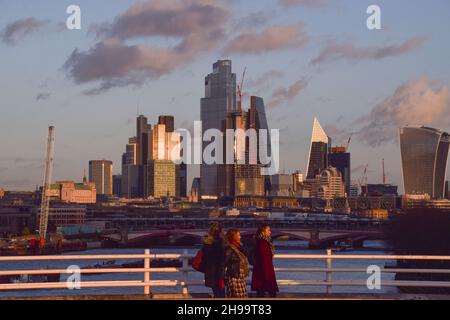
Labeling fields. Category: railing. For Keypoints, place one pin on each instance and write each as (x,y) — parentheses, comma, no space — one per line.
(328,270)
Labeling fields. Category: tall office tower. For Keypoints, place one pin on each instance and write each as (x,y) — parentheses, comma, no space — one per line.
(219,100)
(144,151)
(130,171)
(424,153)
(181,180)
(117,185)
(318,153)
(162,171)
(100,172)
(168,121)
(340,159)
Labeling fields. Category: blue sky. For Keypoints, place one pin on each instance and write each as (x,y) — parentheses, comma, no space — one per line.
(388,77)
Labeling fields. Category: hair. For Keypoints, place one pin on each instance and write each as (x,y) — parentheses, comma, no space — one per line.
(231,234)
(262,227)
(215,230)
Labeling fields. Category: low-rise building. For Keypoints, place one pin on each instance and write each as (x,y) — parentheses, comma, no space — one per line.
(63,216)
(71,192)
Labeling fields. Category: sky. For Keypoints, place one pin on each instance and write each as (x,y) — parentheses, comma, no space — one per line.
(306,58)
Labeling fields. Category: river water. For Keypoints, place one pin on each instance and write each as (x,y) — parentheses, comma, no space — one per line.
(298,247)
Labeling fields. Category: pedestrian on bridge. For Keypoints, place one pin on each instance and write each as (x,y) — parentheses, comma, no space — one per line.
(236,266)
(263,276)
(214,260)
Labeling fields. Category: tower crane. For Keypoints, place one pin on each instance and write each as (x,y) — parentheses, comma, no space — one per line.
(240,89)
(45,201)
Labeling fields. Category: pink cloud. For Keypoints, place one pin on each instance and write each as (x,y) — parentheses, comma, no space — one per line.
(271,39)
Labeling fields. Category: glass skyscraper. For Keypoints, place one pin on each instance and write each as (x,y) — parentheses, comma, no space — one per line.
(424,153)
(318,153)
(219,100)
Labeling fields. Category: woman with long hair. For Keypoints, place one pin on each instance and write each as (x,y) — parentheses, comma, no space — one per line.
(213,260)
(263,276)
(236,266)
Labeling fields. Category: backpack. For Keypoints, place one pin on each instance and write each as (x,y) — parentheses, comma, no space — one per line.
(197,262)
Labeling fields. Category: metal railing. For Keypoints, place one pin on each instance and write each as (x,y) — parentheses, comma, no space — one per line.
(183,281)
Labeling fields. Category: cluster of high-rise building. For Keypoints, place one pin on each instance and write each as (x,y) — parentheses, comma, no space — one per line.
(149,163)
(151,168)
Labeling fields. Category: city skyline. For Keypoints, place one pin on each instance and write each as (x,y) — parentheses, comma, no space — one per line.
(367,88)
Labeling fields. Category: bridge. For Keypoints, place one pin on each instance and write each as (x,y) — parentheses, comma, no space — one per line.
(316,238)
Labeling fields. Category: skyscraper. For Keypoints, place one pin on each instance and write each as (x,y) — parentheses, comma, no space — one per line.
(219,100)
(130,170)
(168,121)
(144,151)
(318,153)
(100,172)
(424,153)
(340,159)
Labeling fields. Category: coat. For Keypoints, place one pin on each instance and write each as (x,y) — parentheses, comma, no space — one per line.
(234,265)
(263,276)
(213,261)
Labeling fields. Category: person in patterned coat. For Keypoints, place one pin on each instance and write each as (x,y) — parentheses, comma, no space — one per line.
(236,266)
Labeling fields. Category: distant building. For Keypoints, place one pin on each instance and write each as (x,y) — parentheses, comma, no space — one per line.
(63,216)
(424,153)
(218,102)
(2,193)
(13,220)
(379,190)
(195,191)
(424,202)
(340,159)
(168,121)
(100,172)
(117,185)
(181,180)
(354,190)
(71,192)
(282,185)
(161,179)
(318,153)
(328,185)
(130,187)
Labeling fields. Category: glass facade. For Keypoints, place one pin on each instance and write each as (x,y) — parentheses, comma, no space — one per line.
(100,172)
(424,153)
(220,98)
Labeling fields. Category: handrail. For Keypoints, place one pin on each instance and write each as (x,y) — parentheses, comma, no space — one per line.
(328,282)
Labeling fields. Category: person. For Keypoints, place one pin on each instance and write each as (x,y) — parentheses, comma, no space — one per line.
(236,266)
(263,276)
(213,260)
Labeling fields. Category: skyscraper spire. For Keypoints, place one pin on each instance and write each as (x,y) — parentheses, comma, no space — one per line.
(318,153)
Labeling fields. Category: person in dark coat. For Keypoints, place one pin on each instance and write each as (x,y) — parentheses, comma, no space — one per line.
(263,276)
(236,266)
(213,260)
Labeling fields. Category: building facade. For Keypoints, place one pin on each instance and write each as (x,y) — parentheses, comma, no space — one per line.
(340,159)
(219,100)
(161,179)
(318,153)
(71,192)
(101,173)
(424,153)
(328,185)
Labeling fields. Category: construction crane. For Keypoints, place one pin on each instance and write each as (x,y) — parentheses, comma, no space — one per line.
(240,89)
(45,202)
(362,179)
(348,142)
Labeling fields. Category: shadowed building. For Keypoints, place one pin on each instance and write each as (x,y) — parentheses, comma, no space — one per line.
(340,159)
(219,100)
(424,153)
(318,153)
(100,172)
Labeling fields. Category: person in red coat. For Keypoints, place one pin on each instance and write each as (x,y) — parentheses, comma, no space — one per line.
(263,277)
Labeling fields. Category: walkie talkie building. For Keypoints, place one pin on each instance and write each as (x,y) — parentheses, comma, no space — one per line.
(424,153)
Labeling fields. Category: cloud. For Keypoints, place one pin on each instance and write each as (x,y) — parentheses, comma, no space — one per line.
(302,3)
(18,29)
(417,102)
(334,51)
(43,96)
(283,94)
(197,25)
(265,78)
(271,39)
